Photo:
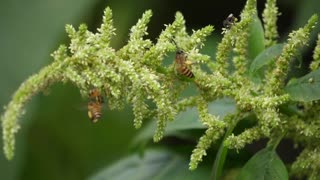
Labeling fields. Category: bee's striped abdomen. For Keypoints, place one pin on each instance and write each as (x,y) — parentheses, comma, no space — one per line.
(186,72)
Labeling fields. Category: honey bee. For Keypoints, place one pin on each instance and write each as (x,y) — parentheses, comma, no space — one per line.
(95,105)
(94,111)
(229,21)
(181,64)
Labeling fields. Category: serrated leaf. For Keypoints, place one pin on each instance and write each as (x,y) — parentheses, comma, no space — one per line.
(187,120)
(306,88)
(155,164)
(256,38)
(264,165)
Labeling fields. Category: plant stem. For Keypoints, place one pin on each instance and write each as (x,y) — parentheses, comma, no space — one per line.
(274,142)
(223,150)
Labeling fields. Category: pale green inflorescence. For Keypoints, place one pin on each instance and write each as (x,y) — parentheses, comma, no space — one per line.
(270,17)
(238,33)
(219,84)
(132,74)
(307,126)
(241,40)
(316,56)
(246,137)
(33,85)
(135,74)
(308,163)
(214,132)
(269,119)
(266,105)
(296,40)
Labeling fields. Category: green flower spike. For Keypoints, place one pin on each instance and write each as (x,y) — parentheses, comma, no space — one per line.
(270,17)
(296,40)
(316,56)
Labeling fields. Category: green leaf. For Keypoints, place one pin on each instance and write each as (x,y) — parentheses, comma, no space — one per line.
(263,59)
(187,120)
(306,88)
(264,165)
(256,38)
(155,164)
(266,57)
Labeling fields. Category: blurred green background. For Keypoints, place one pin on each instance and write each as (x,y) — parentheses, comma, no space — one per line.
(57,140)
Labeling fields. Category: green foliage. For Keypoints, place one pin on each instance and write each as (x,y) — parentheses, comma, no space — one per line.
(155,164)
(266,164)
(256,39)
(135,75)
(306,88)
(265,58)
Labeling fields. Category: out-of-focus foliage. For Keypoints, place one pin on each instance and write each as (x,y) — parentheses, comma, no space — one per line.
(155,164)
(266,164)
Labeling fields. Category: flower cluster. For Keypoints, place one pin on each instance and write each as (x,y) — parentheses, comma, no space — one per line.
(270,17)
(135,74)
